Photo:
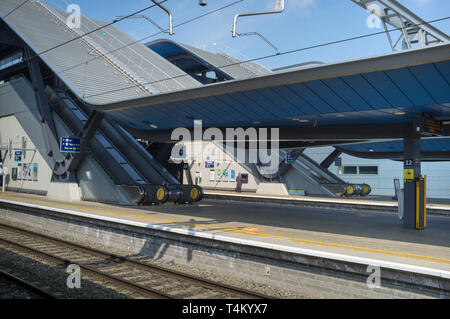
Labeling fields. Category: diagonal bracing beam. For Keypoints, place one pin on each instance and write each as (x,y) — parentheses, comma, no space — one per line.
(414,30)
(86,135)
(57,161)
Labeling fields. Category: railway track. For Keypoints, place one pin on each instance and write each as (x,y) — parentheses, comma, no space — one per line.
(21,287)
(142,279)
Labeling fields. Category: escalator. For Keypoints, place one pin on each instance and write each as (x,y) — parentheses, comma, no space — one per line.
(162,155)
(129,165)
(308,175)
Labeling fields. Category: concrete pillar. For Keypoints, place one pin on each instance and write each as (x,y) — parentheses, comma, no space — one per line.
(412,158)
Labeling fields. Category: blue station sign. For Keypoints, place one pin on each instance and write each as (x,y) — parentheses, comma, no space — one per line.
(18,156)
(290,159)
(70,145)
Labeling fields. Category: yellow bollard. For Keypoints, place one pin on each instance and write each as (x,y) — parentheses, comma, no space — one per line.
(425,201)
(417,203)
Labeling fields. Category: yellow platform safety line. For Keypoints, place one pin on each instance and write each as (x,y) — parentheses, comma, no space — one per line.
(240,231)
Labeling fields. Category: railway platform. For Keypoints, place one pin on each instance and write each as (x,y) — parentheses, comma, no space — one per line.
(360,234)
(381,203)
(346,237)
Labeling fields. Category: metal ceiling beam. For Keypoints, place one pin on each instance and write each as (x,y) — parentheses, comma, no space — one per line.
(330,134)
(308,144)
(397,156)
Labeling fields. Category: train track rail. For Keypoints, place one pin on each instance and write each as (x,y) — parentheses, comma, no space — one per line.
(25,285)
(143,279)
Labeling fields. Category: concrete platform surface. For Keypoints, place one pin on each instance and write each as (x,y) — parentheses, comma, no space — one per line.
(434,205)
(378,236)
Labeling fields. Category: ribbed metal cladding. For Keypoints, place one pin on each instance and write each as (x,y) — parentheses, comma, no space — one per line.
(231,66)
(129,72)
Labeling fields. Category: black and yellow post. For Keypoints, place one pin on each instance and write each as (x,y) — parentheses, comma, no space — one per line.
(421,203)
(412,210)
(415,194)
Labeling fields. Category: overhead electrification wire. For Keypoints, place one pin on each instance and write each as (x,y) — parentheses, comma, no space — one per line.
(134,42)
(230,64)
(277,55)
(146,38)
(87,33)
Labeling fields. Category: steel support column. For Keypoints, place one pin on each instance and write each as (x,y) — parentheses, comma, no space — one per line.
(412,159)
(57,161)
(326,163)
(86,135)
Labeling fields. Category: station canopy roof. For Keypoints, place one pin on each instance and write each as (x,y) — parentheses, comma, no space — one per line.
(437,148)
(393,88)
(387,89)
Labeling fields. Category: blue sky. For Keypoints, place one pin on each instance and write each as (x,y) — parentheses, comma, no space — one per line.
(303,23)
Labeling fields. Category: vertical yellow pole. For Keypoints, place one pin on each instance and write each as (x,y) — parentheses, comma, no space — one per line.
(417,203)
(425,201)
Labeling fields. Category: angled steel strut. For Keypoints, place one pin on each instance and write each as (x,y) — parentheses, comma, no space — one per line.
(116,18)
(278,9)
(414,30)
(168,12)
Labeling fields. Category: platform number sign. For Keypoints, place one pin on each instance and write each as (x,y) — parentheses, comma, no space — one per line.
(70,145)
(408,169)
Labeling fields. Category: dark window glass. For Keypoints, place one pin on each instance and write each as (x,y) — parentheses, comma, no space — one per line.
(348,170)
(368,170)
